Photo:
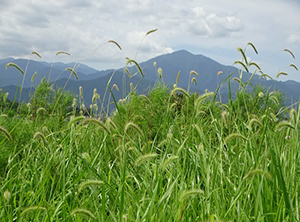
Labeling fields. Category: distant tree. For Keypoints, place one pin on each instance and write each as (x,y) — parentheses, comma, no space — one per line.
(5,104)
(257,102)
(47,101)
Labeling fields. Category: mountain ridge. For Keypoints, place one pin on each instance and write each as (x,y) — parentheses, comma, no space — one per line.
(179,61)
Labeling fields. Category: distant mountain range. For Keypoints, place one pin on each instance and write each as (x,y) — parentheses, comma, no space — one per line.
(171,64)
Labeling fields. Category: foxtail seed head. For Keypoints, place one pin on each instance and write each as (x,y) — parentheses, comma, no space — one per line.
(81,91)
(131,86)
(159,72)
(7,195)
(116,87)
(6,133)
(5,97)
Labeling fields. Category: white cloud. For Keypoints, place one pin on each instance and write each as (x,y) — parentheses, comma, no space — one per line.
(149,45)
(199,11)
(223,26)
(201,26)
(214,25)
(293,38)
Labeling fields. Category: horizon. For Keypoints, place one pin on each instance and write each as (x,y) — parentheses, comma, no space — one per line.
(117,68)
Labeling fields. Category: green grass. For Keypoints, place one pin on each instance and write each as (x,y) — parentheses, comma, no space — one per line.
(167,156)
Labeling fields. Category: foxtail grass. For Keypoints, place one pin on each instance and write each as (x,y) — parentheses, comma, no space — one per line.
(98,123)
(6,133)
(89,183)
(144,158)
(84,212)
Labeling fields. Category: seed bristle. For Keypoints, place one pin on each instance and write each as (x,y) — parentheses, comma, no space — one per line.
(254,64)
(114,42)
(193,72)
(62,52)
(289,51)
(84,212)
(169,160)
(281,73)
(219,73)
(14,65)
(39,134)
(116,87)
(134,126)
(242,64)
(76,119)
(253,47)
(97,122)
(159,72)
(177,78)
(35,53)
(72,71)
(255,121)
(137,65)
(151,31)
(6,133)
(31,209)
(145,157)
(294,66)
(283,124)
(258,172)
(194,80)
(235,135)
(180,90)
(243,54)
(89,183)
(187,193)
(33,77)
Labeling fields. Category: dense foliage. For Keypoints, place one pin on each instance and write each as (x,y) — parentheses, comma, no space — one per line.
(167,156)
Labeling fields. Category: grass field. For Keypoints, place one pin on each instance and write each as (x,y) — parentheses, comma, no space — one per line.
(167,156)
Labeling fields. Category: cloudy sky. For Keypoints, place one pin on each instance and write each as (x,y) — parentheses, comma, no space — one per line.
(214,28)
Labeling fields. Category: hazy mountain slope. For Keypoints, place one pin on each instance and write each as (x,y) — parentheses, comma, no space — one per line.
(170,64)
(11,76)
(88,86)
(207,69)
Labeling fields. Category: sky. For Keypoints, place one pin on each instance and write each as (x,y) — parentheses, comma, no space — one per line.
(214,28)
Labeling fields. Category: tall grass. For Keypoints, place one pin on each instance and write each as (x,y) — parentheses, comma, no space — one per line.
(167,156)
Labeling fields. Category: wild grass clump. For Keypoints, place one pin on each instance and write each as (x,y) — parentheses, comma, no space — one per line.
(146,111)
(169,155)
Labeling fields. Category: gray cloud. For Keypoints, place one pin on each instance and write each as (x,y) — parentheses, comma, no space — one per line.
(201,26)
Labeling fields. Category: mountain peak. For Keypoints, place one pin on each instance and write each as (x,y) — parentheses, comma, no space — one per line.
(182,52)
(172,64)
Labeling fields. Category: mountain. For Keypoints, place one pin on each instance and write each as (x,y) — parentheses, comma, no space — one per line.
(207,70)
(100,84)
(53,71)
(170,64)
(185,62)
